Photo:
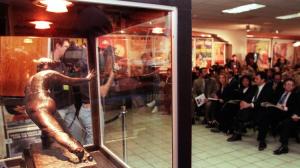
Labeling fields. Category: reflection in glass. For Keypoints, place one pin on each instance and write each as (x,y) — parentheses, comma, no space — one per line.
(137,110)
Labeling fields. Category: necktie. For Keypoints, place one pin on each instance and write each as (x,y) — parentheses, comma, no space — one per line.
(282,98)
(255,95)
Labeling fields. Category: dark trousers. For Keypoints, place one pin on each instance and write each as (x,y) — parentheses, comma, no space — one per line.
(242,117)
(210,109)
(287,127)
(225,116)
(267,117)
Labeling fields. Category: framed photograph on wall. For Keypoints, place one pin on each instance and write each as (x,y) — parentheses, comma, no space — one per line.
(282,49)
(203,52)
(262,47)
(219,53)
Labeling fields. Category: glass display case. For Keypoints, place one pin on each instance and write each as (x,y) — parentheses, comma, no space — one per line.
(137,110)
(129,109)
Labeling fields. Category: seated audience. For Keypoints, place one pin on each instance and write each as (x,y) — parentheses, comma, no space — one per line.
(249,110)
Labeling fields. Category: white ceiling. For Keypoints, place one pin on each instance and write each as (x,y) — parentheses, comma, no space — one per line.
(208,14)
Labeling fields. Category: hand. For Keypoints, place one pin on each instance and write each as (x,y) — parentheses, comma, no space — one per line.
(295,117)
(281,107)
(244,105)
(91,74)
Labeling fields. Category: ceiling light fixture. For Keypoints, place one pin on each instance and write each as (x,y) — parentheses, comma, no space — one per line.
(41,24)
(56,6)
(157,30)
(291,16)
(244,8)
(296,44)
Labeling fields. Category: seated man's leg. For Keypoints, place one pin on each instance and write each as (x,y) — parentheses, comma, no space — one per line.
(264,118)
(229,111)
(239,123)
(285,132)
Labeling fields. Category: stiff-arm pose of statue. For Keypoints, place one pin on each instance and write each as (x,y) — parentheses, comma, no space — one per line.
(41,108)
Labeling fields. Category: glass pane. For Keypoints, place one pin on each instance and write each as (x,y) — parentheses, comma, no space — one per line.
(137,108)
(23,57)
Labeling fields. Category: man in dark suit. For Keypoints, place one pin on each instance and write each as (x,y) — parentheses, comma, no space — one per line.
(288,125)
(274,113)
(249,110)
(233,85)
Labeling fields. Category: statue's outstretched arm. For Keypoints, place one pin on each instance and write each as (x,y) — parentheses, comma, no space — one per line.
(73,81)
(105,88)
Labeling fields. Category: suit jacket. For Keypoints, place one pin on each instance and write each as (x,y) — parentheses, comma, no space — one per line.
(233,88)
(211,87)
(296,109)
(224,94)
(248,95)
(291,103)
(266,95)
(198,87)
(278,90)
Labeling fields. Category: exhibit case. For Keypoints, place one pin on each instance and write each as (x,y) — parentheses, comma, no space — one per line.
(92,79)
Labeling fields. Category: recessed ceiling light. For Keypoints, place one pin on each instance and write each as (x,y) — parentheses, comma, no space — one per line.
(41,24)
(243,8)
(56,6)
(291,16)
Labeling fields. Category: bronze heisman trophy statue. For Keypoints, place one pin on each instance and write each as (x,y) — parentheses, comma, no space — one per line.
(41,108)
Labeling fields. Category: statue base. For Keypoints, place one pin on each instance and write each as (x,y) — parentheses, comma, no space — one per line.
(37,157)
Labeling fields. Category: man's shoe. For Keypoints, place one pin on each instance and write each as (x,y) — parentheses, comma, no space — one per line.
(234,137)
(204,122)
(209,125)
(281,150)
(151,104)
(262,146)
(215,130)
(155,109)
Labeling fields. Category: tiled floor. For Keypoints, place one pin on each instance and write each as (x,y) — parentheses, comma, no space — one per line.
(149,142)
(149,145)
